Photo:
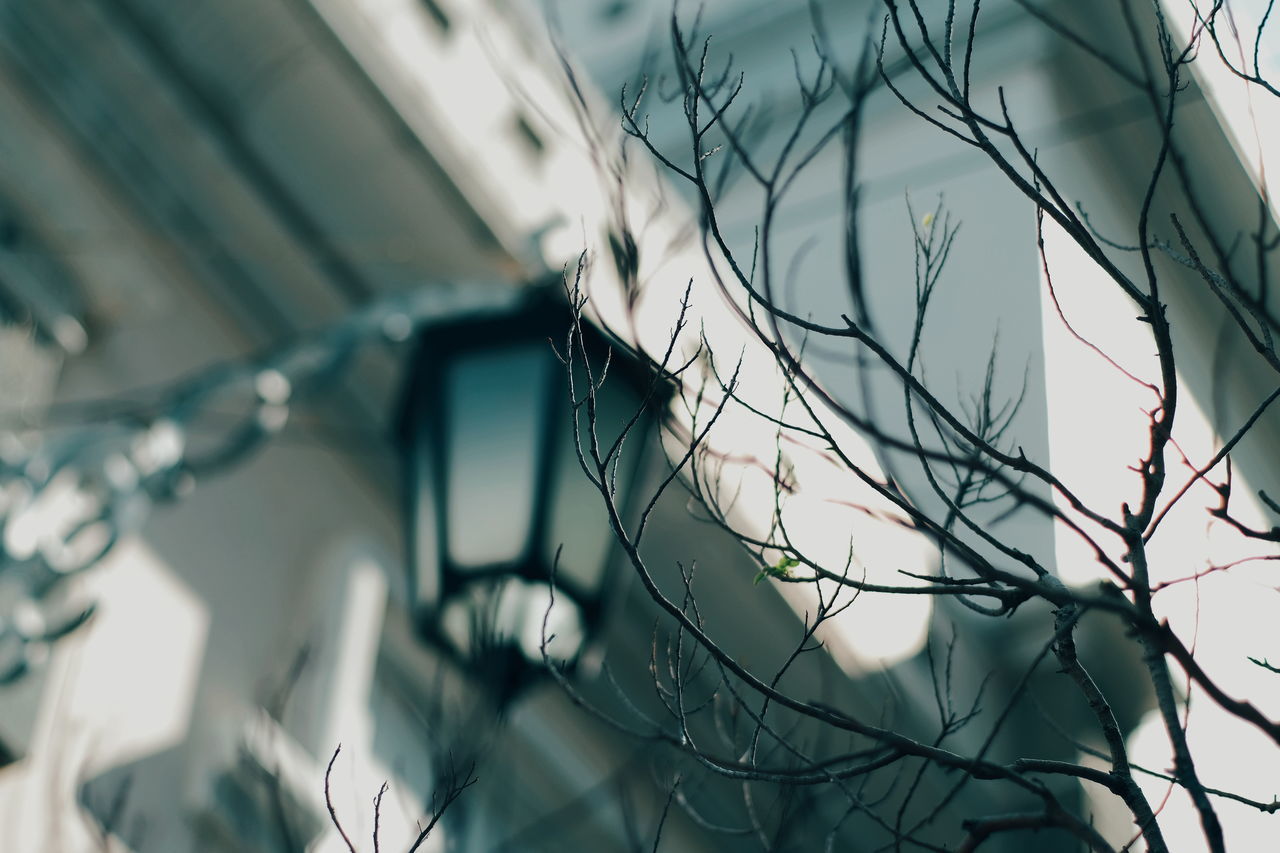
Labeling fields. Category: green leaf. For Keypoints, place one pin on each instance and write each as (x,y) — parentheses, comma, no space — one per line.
(781,570)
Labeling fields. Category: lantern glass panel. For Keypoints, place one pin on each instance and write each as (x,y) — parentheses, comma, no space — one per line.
(514,611)
(558,617)
(495,401)
(425,536)
(579,521)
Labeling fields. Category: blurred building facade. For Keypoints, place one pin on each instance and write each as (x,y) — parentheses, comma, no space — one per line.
(186,183)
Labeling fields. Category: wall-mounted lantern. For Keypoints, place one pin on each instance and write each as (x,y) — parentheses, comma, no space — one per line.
(494,489)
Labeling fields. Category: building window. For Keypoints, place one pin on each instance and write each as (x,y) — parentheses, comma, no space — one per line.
(529,137)
(613,12)
(438,14)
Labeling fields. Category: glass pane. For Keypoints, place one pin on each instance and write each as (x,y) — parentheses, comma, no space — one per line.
(512,611)
(458,622)
(579,521)
(426,538)
(495,403)
(561,620)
